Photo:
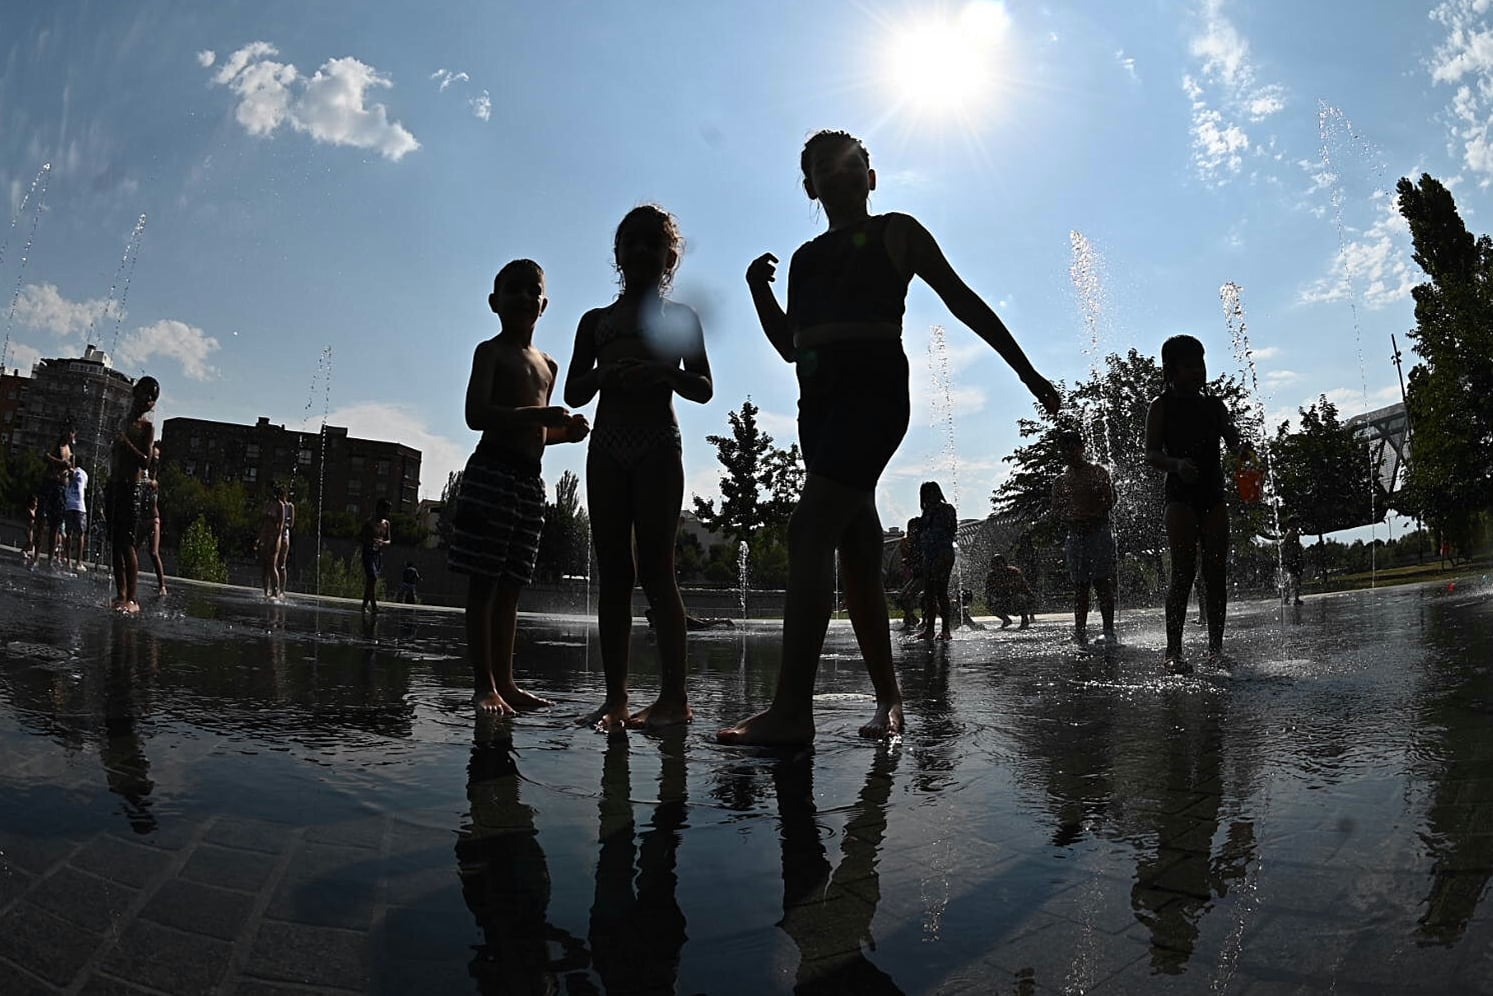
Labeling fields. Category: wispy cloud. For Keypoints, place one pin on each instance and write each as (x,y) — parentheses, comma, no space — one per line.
(1375,264)
(206,57)
(331,105)
(446,78)
(1225,95)
(1127,63)
(480,105)
(1464,60)
(170,339)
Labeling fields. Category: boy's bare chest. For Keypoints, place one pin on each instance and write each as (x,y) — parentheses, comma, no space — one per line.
(524,376)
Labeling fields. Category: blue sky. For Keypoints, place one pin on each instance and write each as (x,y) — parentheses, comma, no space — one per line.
(350,175)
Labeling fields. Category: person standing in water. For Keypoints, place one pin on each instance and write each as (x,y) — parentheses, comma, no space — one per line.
(1082,498)
(130,457)
(637,353)
(842,330)
(1184,428)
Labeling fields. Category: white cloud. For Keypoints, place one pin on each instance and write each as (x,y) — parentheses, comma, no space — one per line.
(1376,266)
(330,106)
(1275,379)
(171,339)
(22,357)
(447,78)
(1465,60)
(439,456)
(206,57)
(1266,352)
(1352,401)
(481,106)
(1225,96)
(42,306)
(1127,63)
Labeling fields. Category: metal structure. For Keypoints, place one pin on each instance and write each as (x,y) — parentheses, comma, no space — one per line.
(1386,432)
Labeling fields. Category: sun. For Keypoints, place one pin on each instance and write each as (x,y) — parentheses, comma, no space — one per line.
(944,62)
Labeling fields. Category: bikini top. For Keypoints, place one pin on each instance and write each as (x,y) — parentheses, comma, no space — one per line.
(846,275)
(609,330)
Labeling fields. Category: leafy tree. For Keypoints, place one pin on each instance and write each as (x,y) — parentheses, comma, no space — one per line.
(564,545)
(1450,396)
(197,556)
(1322,473)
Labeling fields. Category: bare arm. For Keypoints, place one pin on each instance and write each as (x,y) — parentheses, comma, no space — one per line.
(573,427)
(927,260)
(141,455)
(483,415)
(583,377)
(694,383)
(760,276)
(1155,444)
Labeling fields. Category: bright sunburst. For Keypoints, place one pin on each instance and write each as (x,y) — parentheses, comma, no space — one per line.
(943,62)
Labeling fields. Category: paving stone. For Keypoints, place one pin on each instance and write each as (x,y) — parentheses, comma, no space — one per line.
(99,984)
(14,881)
(229,868)
(324,956)
(34,854)
(200,908)
(116,859)
(47,945)
(367,833)
(172,961)
(89,901)
(250,834)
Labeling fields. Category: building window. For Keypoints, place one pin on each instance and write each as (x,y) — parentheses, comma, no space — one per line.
(381,488)
(195,444)
(352,509)
(383,468)
(251,474)
(251,452)
(304,457)
(355,487)
(191,468)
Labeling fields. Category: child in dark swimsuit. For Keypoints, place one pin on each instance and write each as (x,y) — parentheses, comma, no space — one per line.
(843,330)
(638,352)
(131,455)
(1183,430)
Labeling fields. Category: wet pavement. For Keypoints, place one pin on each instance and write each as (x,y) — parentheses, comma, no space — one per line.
(229,796)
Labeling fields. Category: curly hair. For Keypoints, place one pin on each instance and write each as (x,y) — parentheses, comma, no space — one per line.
(666,224)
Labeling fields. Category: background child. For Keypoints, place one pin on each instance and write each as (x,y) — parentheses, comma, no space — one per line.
(937,530)
(267,545)
(131,455)
(638,352)
(1082,497)
(372,540)
(1007,592)
(1184,427)
(842,330)
(499,510)
(151,514)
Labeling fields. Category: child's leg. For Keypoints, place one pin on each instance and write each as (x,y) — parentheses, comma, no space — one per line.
(155,557)
(482,600)
(504,630)
(1215,540)
(131,577)
(941,594)
(860,569)
(609,501)
(658,496)
(825,509)
(1080,609)
(1105,588)
(1182,540)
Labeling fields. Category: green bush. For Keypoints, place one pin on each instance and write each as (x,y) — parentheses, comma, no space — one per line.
(197,556)
(339,578)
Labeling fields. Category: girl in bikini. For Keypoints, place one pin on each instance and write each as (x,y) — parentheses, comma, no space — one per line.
(637,353)
(847,291)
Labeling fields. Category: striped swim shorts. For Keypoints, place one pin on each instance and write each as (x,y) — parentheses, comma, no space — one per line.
(498,518)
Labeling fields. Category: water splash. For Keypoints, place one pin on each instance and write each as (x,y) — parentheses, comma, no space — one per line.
(124,274)
(1087,274)
(1336,131)
(38,190)
(742,552)
(943,417)
(321,378)
(1231,295)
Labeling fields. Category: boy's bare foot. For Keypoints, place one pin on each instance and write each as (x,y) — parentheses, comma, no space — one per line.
(520,699)
(946,635)
(661,714)
(887,722)
(609,718)
(161,591)
(131,608)
(770,729)
(491,703)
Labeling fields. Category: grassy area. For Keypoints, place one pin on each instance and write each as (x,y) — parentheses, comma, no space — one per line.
(1430,572)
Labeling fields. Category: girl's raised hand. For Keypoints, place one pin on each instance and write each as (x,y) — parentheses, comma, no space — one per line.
(762,271)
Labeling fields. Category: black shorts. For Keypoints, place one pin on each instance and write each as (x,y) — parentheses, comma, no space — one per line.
(853,409)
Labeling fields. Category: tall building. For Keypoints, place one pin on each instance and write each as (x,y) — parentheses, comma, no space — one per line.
(358,472)
(85,391)
(12,392)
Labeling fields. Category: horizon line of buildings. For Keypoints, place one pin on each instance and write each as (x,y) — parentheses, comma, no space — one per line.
(341,472)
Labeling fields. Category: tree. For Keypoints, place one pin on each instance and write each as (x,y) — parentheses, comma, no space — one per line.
(564,545)
(743,455)
(197,556)
(1322,473)
(1449,477)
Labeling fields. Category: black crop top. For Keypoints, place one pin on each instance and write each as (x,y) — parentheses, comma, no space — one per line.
(846,275)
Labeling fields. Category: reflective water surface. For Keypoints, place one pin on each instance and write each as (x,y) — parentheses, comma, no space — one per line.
(230,795)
